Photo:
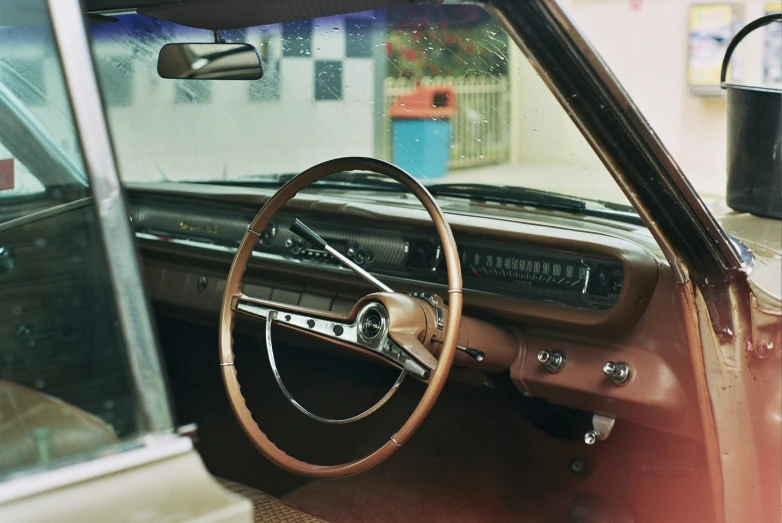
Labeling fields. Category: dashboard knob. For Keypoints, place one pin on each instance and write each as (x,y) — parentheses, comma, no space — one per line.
(294,245)
(361,256)
(270,232)
(553,361)
(591,437)
(619,372)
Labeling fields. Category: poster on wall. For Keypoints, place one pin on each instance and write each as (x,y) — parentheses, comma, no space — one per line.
(711,27)
(772,52)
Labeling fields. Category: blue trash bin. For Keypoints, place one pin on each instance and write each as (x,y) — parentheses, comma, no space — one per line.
(421,131)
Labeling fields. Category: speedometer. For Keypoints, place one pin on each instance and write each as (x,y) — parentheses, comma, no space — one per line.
(521,270)
(559,276)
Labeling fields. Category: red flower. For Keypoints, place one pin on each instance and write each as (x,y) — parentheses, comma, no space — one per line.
(389,48)
(408,53)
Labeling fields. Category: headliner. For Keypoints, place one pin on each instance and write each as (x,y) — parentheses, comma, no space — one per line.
(234,14)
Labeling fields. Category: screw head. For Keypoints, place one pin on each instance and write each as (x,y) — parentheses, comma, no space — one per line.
(580,467)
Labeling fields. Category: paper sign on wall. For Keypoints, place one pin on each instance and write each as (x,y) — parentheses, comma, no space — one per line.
(711,28)
(6,174)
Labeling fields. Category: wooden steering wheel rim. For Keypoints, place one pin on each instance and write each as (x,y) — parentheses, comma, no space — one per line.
(233,288)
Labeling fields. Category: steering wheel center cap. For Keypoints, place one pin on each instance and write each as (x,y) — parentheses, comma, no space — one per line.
(372,322)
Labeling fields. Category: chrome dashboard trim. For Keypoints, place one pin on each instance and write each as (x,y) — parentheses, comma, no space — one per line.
(381,343)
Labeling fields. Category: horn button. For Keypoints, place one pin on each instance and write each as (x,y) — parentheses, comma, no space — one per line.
(373,323)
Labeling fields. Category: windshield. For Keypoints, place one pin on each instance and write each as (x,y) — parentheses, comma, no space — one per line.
(440,91)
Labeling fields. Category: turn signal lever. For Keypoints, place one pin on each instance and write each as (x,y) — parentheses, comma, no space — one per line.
(477,355)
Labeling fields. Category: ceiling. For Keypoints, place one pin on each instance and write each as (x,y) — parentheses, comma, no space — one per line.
(233,14)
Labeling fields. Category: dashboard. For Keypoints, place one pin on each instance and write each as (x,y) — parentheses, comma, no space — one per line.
(590,291)
(552,276)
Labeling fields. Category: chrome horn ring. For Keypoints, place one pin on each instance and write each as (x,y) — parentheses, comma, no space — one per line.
(271,317)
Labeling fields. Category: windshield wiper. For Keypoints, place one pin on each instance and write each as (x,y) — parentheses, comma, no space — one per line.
(509,194)
(535,198)
(340,180)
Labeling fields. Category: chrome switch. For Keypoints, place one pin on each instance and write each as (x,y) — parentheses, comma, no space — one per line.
(553,361)
(601,429)
(619,371)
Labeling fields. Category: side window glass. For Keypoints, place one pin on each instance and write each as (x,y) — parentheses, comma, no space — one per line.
(16,180)
(66,390)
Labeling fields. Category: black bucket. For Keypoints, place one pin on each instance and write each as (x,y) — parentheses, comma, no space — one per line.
(754,139)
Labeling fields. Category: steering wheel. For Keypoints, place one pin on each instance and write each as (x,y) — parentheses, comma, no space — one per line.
(404,331)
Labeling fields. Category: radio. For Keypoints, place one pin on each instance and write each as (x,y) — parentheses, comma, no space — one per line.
(352,250)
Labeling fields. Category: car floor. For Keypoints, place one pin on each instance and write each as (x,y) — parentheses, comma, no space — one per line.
(475,458)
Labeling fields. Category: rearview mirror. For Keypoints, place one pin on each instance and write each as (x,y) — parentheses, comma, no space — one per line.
(209,62)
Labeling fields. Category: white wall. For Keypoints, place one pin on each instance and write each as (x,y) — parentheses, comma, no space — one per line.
(154,135)
(647,49)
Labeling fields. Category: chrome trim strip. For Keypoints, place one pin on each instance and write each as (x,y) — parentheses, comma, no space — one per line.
(220,248)
(348,332)
(253,232)
(271,316)
(394,441)
(154,449)
(226,363)
(135,321)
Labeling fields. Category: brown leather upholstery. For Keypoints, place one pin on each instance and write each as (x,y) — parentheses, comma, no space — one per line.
(269,509)
(35,428)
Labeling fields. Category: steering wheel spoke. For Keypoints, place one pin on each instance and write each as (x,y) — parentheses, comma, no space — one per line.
(368,330)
